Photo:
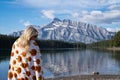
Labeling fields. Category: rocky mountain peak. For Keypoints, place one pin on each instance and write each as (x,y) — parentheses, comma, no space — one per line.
(72,31)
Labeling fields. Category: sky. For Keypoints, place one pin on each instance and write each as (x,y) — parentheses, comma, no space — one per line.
(15,15)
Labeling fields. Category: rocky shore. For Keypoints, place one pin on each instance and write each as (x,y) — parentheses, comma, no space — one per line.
(88,77)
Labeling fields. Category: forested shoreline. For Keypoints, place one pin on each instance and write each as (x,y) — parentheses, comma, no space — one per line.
(113,43)
(7,41)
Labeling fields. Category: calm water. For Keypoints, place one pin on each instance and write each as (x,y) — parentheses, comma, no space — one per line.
(68,62)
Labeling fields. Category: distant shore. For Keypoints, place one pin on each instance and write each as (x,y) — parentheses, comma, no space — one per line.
(107,48)
(114,48)
(88,77)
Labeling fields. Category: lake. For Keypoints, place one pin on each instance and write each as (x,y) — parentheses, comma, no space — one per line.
(68,62)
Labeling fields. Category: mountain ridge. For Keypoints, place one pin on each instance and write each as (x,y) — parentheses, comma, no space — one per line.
(71,31)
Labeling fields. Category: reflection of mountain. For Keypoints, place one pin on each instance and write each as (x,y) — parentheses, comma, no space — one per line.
(78,62)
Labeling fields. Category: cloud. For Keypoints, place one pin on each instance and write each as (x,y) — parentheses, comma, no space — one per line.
(107,17)
(113,29)
(48,14)
(113,1)
(114,7)
(25,23)
(102,1)
(91,11)
(75,15)
(63,4)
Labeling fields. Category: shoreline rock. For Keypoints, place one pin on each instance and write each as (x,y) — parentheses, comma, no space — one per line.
(88,77)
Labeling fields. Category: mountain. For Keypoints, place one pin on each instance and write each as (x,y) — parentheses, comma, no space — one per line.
(72,31)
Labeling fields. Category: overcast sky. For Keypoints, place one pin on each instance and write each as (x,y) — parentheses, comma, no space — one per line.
(16,14)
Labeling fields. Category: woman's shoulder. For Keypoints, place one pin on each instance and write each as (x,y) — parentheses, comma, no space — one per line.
(34,45)
(15,43)
(34,42)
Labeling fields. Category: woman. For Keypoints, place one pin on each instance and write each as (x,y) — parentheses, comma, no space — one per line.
(25,62)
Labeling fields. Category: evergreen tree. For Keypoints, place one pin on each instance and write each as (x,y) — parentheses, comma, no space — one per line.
(7,41)
(116,40)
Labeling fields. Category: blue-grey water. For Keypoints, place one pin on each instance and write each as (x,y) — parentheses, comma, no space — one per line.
(69,62)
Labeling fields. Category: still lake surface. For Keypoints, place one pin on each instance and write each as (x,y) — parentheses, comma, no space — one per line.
(68,62)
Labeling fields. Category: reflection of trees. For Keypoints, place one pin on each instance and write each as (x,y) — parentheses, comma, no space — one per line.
(4,55)
(75,62)
(57,50)
(116,56)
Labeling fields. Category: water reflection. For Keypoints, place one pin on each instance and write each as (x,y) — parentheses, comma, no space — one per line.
(4,61)
(3,70)
(80,62)
(71,62)
(116,56)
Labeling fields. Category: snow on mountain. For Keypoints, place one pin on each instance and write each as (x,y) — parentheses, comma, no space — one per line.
(72,31)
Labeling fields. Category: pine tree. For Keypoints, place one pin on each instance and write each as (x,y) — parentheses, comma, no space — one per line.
(116,40)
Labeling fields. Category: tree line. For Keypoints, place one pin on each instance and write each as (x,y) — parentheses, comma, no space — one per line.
(113,42)
(7,41)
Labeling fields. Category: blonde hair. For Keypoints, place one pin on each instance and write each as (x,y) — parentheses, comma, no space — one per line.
(24,39)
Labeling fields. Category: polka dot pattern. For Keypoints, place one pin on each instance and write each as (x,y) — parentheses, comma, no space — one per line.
(23,54)
(33,52)
(34,78)
(13,68)
(15,75)
(17,52)
(28,73)
(14,62)
(38,61)
(19,59)
(12,54)
(25,65)
(10,75)
(29,59)
(18,70)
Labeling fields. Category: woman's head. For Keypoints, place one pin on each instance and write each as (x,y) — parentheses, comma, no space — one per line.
(27,35)
(30,32)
